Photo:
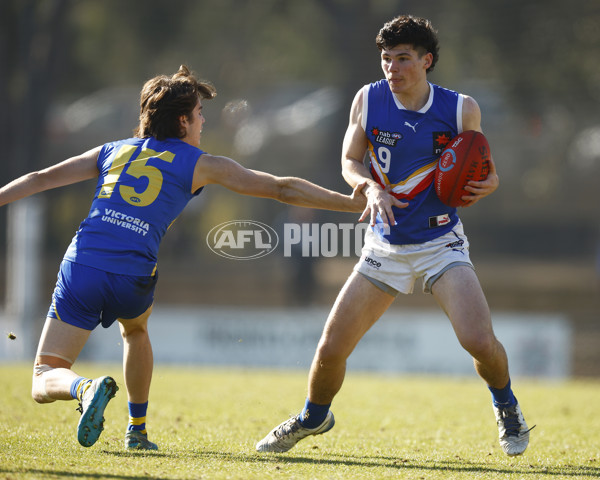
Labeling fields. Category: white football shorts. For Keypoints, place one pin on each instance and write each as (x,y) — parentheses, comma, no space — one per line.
(395,268)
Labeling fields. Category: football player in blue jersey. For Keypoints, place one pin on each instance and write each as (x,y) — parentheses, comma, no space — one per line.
(109,271)
(402,123)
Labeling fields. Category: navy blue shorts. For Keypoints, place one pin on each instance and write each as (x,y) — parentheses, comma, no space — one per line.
(85,296)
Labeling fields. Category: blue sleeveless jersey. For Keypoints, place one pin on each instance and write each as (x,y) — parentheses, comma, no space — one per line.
(404,147)
(143,186)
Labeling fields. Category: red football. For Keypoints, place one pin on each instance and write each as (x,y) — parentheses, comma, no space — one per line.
(465,158)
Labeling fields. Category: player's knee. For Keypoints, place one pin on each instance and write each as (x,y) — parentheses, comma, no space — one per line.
(329,353)
(38,384)
(135,327)
(132,331)
(480,346)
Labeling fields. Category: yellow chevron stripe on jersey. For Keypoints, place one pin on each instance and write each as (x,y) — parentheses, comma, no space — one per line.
(406,186)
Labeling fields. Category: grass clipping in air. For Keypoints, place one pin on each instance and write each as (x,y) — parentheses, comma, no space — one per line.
(207,421)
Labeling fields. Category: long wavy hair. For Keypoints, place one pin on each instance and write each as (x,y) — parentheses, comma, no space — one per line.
(163,100)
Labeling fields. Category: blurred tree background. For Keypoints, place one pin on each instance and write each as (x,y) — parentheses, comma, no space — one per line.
(286,72)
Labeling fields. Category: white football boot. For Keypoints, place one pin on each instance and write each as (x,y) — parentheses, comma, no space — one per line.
(285,436)
(512,429)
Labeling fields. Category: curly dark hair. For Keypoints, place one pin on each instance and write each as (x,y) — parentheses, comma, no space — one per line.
(409,30)
(164,99)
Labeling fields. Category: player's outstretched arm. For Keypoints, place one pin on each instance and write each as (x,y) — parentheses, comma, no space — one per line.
(73,170)
(212,169)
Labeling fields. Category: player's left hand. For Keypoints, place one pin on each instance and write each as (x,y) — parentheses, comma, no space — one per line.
(483,188)
(380,202)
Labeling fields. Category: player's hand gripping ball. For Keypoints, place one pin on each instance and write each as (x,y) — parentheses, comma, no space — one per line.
(466,158)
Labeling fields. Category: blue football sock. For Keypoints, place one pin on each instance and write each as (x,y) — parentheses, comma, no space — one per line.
(137,416)
(75,386)
(503,397)
(313,415)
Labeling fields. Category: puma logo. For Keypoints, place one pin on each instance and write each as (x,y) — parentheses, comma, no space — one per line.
(414,127)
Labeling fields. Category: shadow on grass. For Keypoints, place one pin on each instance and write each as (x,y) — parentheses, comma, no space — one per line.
(136,453)
(49,473)
(376,461)
(372,461)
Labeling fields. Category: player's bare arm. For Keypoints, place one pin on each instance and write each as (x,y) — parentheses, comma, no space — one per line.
(355,172)
(478,190)
(75,169)
(213,169)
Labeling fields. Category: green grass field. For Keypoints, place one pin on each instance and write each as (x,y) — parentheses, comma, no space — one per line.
(206,422)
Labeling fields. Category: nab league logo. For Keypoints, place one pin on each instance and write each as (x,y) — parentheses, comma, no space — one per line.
(387,138)
(440,141)
(242,239)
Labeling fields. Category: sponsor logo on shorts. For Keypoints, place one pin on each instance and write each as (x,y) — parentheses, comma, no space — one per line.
(457,246)
(373,263)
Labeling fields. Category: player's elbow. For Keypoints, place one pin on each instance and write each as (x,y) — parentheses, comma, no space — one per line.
(346,169)
(347,177)
(283,190)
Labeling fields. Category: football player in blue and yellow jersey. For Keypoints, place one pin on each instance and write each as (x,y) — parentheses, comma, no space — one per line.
(402,124)
(109,270)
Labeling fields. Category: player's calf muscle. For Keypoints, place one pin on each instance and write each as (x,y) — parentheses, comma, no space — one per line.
(38,384)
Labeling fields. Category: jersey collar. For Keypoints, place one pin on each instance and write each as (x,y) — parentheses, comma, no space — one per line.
(424,108)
